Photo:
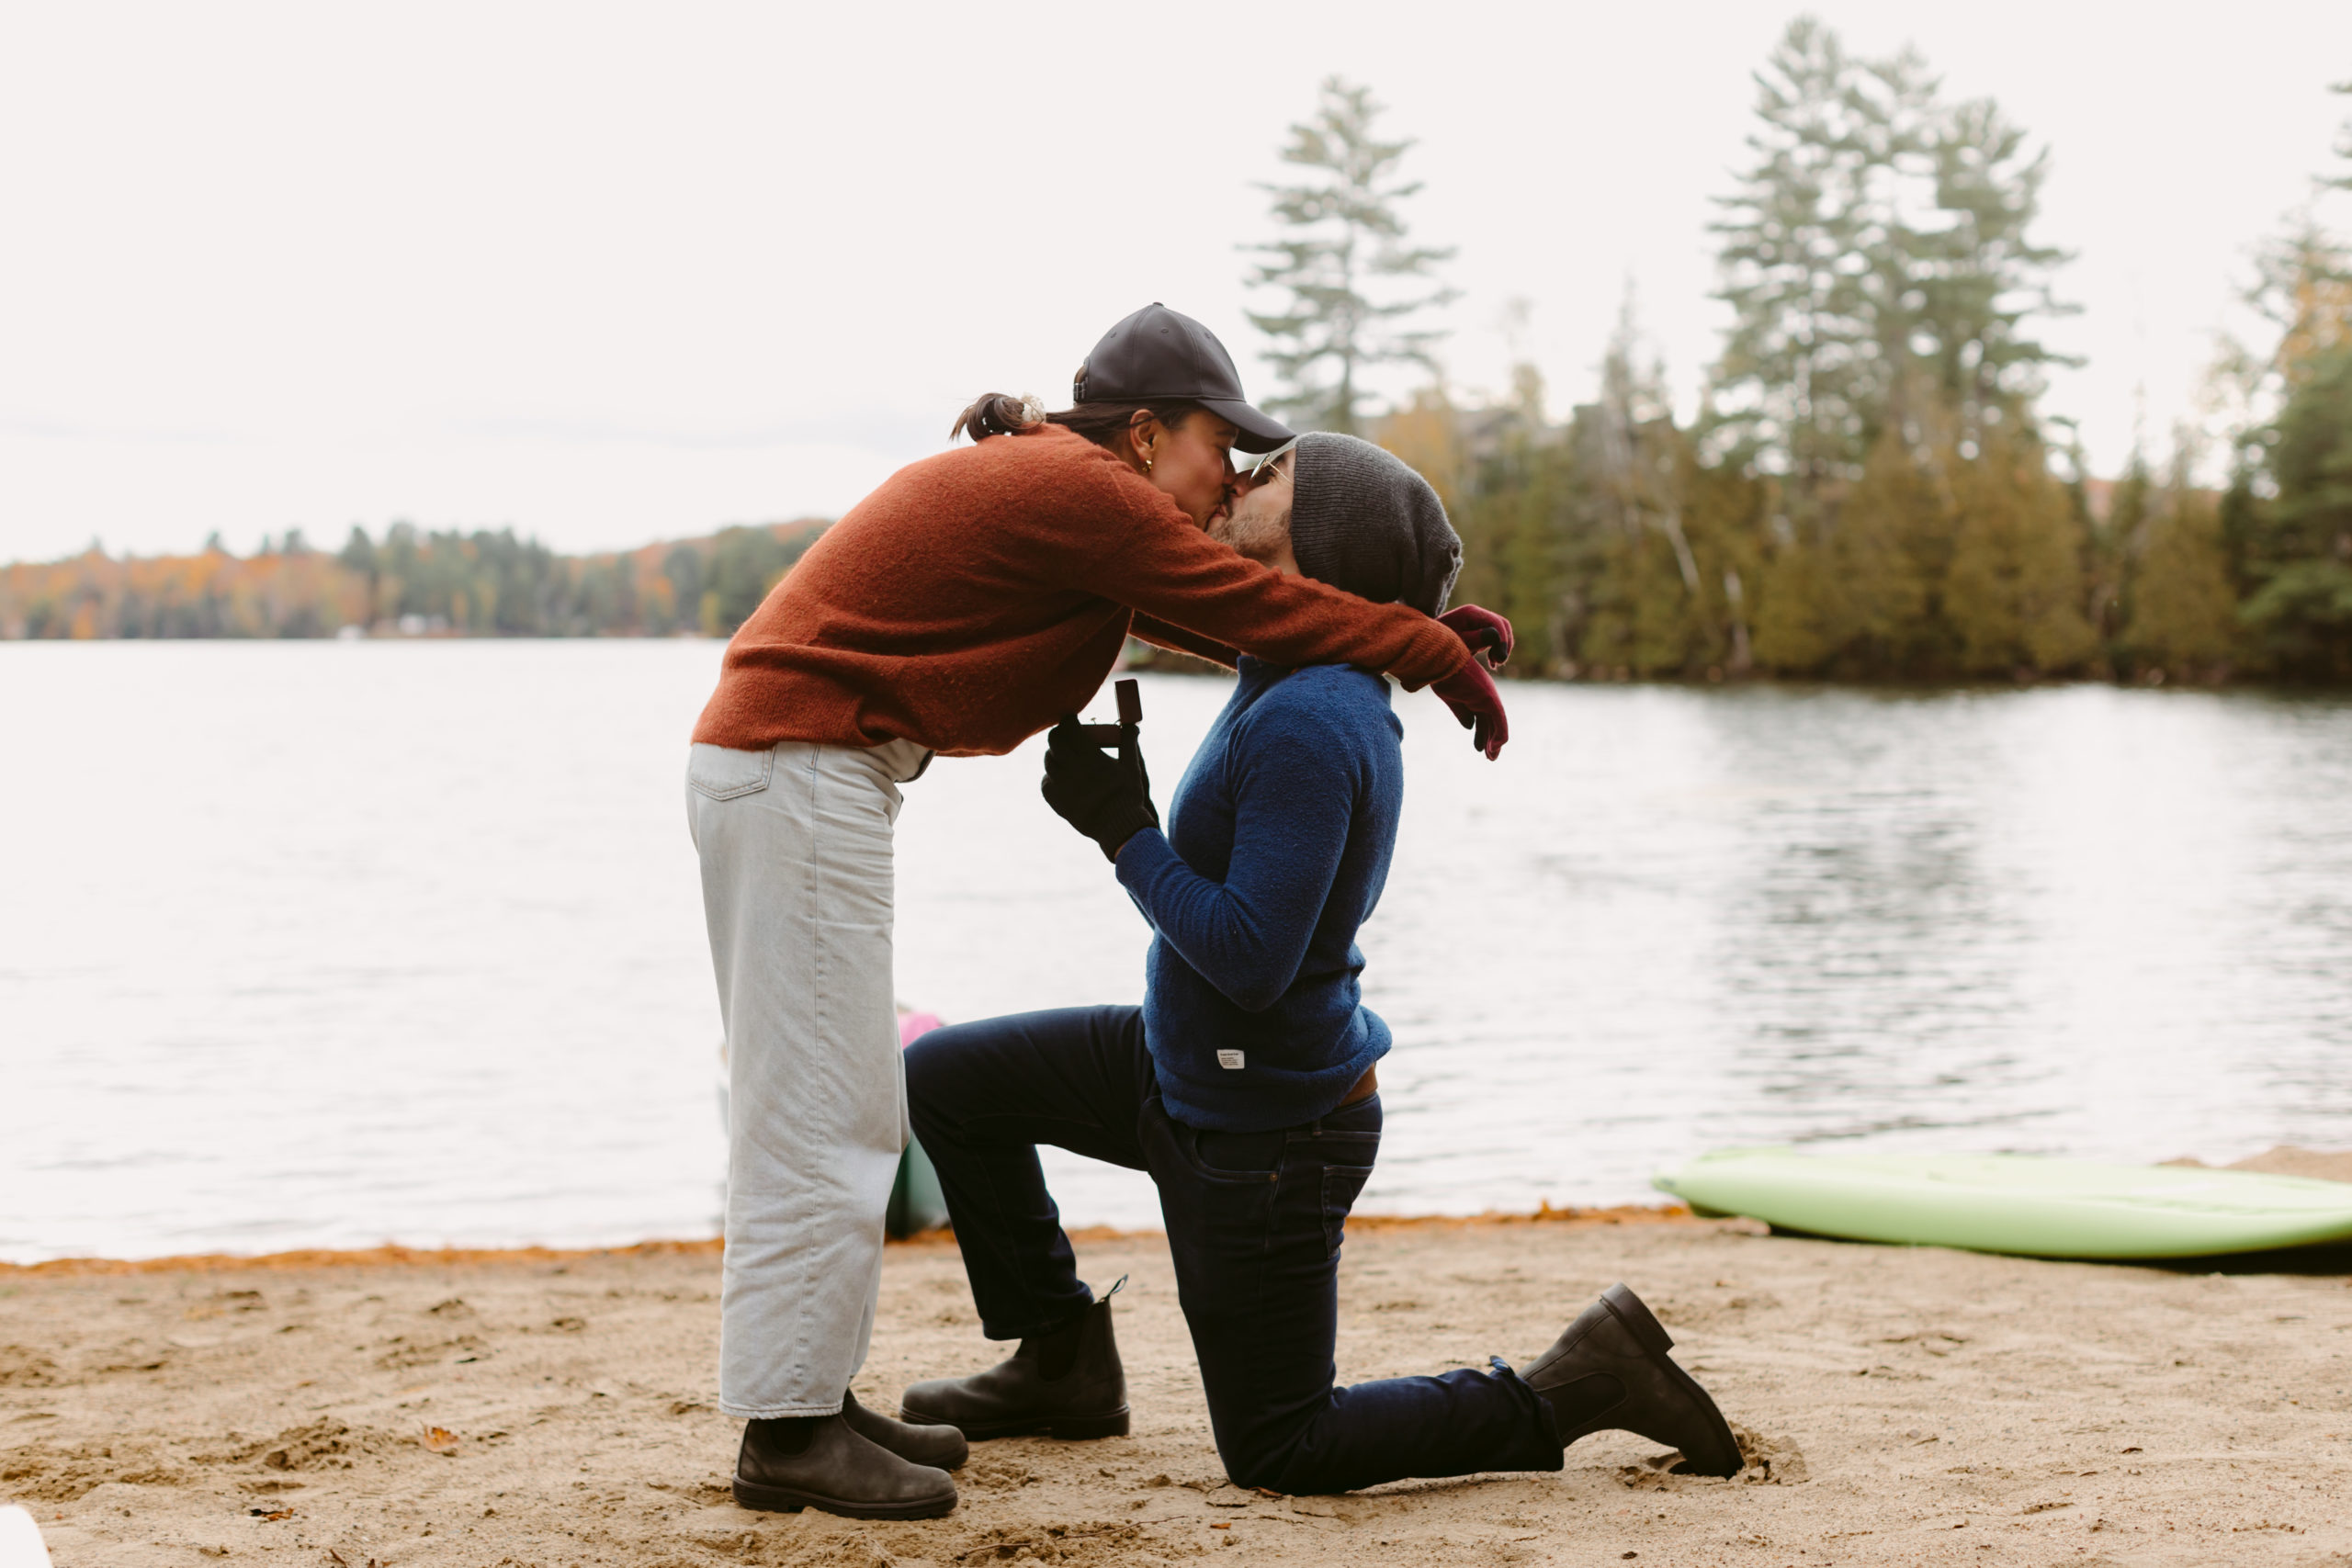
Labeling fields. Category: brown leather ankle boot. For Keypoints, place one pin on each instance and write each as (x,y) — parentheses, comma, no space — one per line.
(1088,1398)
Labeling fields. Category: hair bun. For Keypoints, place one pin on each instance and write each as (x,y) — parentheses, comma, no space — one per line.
(997,413)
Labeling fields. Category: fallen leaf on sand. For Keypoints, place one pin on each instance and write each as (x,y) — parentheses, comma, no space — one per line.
(440,1440)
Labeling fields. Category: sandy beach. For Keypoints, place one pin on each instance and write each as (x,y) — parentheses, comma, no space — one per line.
(1908,1405)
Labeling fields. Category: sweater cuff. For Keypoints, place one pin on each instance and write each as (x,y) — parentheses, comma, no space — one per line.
(1435,652)
(1141,856)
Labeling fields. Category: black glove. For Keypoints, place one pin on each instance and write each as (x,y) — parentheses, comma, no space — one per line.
(1106,798)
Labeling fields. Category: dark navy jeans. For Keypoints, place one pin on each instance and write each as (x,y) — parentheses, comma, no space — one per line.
(1254,1224)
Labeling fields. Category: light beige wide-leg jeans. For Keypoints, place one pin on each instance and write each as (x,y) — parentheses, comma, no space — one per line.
(796,888)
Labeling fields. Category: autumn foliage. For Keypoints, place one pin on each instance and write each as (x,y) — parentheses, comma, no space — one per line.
(478,585)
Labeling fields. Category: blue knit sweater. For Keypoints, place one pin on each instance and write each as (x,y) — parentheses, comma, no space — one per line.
(1277,846)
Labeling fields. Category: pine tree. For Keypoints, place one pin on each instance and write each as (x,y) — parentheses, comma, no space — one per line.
(1658,604)
(1633,449)
(1878,604)
(1980,278)
(2183,615)
(1343,259)
(1530,481)
(2122,539)
(1803,379)
(2015,591)
(1884,287)
(1857,600)
(2288,552)
(1796,632)
(2343,181)
(1644,622)
(1723,514)
(2298,548)
(2303,284)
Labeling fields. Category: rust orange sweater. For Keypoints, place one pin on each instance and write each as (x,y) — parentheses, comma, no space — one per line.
(978,595)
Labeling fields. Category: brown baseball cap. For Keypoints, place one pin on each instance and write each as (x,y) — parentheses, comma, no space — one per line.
(1158,353)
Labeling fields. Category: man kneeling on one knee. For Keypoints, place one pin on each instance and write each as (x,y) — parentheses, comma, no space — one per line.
(1243,1084)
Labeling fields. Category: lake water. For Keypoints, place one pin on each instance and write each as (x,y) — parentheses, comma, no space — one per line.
(333,943)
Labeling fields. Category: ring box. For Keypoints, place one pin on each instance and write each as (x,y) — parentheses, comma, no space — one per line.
(1130,712)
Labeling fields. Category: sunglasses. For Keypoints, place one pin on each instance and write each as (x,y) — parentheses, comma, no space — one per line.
(1266,467)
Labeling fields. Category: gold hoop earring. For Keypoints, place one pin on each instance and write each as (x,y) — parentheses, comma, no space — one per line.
(1146,465)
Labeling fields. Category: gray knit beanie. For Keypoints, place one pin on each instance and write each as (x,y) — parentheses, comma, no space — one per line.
(1362,521)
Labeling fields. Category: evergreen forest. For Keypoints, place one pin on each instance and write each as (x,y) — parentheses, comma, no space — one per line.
(1871,488)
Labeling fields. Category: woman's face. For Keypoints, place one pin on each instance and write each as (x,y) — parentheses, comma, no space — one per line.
(1191,461)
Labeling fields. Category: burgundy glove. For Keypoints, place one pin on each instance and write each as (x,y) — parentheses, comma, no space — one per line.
(1470,692)
(1483,630)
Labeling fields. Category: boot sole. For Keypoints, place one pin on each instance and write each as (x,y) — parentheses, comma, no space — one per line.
(1063,1428)
(1651,1335)
(788,1500)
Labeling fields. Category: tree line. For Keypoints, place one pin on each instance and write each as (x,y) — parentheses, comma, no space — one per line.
(1871,488)
(410,582)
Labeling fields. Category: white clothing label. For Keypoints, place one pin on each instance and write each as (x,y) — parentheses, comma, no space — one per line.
(1229,1059)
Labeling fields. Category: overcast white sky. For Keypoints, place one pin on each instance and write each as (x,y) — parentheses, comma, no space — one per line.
(611,273)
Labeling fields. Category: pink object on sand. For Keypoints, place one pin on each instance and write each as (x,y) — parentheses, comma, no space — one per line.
(913,1026)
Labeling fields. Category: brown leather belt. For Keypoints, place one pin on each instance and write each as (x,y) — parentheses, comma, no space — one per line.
(1366,1087)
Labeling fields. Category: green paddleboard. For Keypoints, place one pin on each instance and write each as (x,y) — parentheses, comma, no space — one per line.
(2020,1203)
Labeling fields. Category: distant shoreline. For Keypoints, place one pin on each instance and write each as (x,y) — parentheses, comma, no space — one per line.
(1145,659)
(391,1254)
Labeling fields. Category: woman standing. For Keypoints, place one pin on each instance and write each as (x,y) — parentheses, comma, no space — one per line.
(964,605)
